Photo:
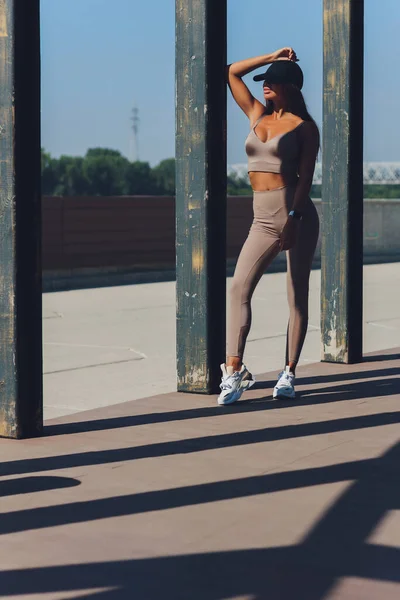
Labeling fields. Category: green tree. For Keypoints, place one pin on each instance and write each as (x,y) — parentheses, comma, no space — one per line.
(140,179)
(164,174)
(70,179)
(238,186)
(381,191)
(95,152)
(106,172)
(49,173)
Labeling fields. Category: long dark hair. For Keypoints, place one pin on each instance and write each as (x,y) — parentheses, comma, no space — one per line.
(294,102)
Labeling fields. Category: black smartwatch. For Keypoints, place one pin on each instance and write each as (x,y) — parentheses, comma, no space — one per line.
(295,214)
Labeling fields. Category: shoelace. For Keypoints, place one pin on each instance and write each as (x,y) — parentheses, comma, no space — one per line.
(226,384)
(286,377)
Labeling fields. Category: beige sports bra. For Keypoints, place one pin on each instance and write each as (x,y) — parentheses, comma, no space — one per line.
(280,154)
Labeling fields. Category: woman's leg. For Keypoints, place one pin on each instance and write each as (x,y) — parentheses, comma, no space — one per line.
(299,261)
(258,251)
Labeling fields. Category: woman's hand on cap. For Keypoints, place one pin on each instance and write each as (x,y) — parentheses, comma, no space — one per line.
(285,54)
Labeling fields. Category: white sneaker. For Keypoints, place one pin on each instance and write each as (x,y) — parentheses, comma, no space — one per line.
(234,383)
(285,385)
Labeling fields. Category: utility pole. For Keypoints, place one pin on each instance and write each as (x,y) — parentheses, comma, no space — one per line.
(135,136)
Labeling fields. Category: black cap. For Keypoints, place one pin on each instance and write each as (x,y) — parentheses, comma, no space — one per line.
(282,71)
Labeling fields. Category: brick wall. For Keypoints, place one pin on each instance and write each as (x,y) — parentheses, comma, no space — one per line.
(138,232)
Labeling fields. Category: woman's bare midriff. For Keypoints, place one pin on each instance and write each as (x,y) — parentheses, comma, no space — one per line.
(263,182)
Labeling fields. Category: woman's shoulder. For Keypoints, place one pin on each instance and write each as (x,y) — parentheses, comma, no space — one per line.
(308,129)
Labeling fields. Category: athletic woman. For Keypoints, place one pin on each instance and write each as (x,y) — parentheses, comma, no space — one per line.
(282,147)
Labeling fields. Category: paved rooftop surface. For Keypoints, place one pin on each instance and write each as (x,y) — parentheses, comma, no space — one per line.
(111,345)
(138,494)
(174,497)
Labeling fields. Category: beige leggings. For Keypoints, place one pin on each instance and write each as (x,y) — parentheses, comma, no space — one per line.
(259,250)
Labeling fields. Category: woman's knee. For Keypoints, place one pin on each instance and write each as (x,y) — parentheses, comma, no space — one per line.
(237,288)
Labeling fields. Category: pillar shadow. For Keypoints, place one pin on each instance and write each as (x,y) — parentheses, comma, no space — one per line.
(193,445)
(334,377)
(350,391)
(336,546)
(29,485)
(381,357)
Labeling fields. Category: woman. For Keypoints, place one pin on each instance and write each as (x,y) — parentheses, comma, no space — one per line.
(282,147)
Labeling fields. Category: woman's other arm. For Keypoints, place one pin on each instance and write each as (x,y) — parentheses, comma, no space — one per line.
(309,151)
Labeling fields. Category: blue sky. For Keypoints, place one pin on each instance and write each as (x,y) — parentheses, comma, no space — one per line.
(100,58)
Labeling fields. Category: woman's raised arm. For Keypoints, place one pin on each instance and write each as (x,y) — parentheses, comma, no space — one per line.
(252,107)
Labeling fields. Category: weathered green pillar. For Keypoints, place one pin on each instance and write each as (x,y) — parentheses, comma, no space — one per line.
(342,182)
(200,192)
(20,219)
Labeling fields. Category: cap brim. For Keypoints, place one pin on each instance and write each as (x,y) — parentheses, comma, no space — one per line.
(260,77)
(271,79)
(268,78)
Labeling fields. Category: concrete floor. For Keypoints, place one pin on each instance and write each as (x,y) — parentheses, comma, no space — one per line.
(176,498)
(111,345)
(170,496)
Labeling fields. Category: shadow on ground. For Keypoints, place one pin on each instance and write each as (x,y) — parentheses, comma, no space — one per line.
(364,389)
(194,445)
(335,547)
